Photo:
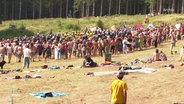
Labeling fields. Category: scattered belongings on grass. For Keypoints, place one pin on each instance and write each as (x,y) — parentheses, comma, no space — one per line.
(5,71)
(124,69)
(44,67)
(171,66)
(69,67)
(18,77)
(142,70)
(25,77)
(54,67)
(107,63)
(101,73)
(42,95)
(17,70)
(36,76)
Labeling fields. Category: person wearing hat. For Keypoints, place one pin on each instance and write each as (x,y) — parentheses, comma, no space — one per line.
(119,90)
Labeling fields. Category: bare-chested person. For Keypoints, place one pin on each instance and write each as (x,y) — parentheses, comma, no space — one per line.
(74,47)
(100,47)
(112,45)
(44,48)
(106,46)
(61,53)
(88,47)
(95,47)
(79,50)
(18,51)
(33,51)
(39,49)
(116,44)
(66,50)
(2,51)
(70,45)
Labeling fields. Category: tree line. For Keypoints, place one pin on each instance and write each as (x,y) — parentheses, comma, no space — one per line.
(35,9)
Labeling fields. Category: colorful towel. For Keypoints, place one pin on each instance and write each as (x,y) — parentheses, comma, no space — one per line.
(41,94)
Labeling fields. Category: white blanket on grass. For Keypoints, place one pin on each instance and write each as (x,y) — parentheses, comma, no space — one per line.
(143,70)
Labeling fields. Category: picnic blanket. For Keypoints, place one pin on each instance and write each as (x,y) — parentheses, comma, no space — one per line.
(104,73)
(142,70)
(41,95)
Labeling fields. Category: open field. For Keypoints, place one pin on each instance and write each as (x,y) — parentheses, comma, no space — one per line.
(60,25)
(161,87)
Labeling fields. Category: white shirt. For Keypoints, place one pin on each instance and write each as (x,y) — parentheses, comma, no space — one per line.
(27,52)
(9,49)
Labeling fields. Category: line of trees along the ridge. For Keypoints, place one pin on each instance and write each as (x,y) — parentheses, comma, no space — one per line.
(34,9)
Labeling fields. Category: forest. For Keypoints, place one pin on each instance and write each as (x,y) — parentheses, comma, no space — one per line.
(36,9)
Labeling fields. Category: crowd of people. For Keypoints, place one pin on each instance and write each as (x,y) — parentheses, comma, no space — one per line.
(92,43)
(88,43)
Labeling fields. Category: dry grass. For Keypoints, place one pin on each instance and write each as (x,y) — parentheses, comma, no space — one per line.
(58,24)
(162,87)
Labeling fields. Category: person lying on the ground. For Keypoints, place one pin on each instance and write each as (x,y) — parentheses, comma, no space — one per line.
(88,62)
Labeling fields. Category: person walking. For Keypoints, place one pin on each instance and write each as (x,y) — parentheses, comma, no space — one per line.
(119,90)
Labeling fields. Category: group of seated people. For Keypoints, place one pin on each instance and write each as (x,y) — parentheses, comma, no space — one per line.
(159,56)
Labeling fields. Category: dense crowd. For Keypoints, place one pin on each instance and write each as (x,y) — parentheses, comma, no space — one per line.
(91,43)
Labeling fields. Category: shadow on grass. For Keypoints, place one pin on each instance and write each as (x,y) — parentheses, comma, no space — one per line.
(11,33)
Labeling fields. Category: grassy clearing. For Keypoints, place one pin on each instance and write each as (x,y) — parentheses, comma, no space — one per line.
(150,88)
(59,25)
(143,88)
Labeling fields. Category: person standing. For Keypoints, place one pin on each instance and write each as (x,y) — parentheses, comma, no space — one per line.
(173,41)
(2,51)
(119,90)
(9,51)
(27,56)
(47,52)
(182,49)
(18,52)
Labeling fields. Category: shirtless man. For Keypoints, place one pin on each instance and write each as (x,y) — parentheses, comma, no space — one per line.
(70,45)
(2,51)
(33,51)
(112,45)
(18,52)
(88,47)
(100,47)
(79,50)
(74,48)
(95,47)
(61,53)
